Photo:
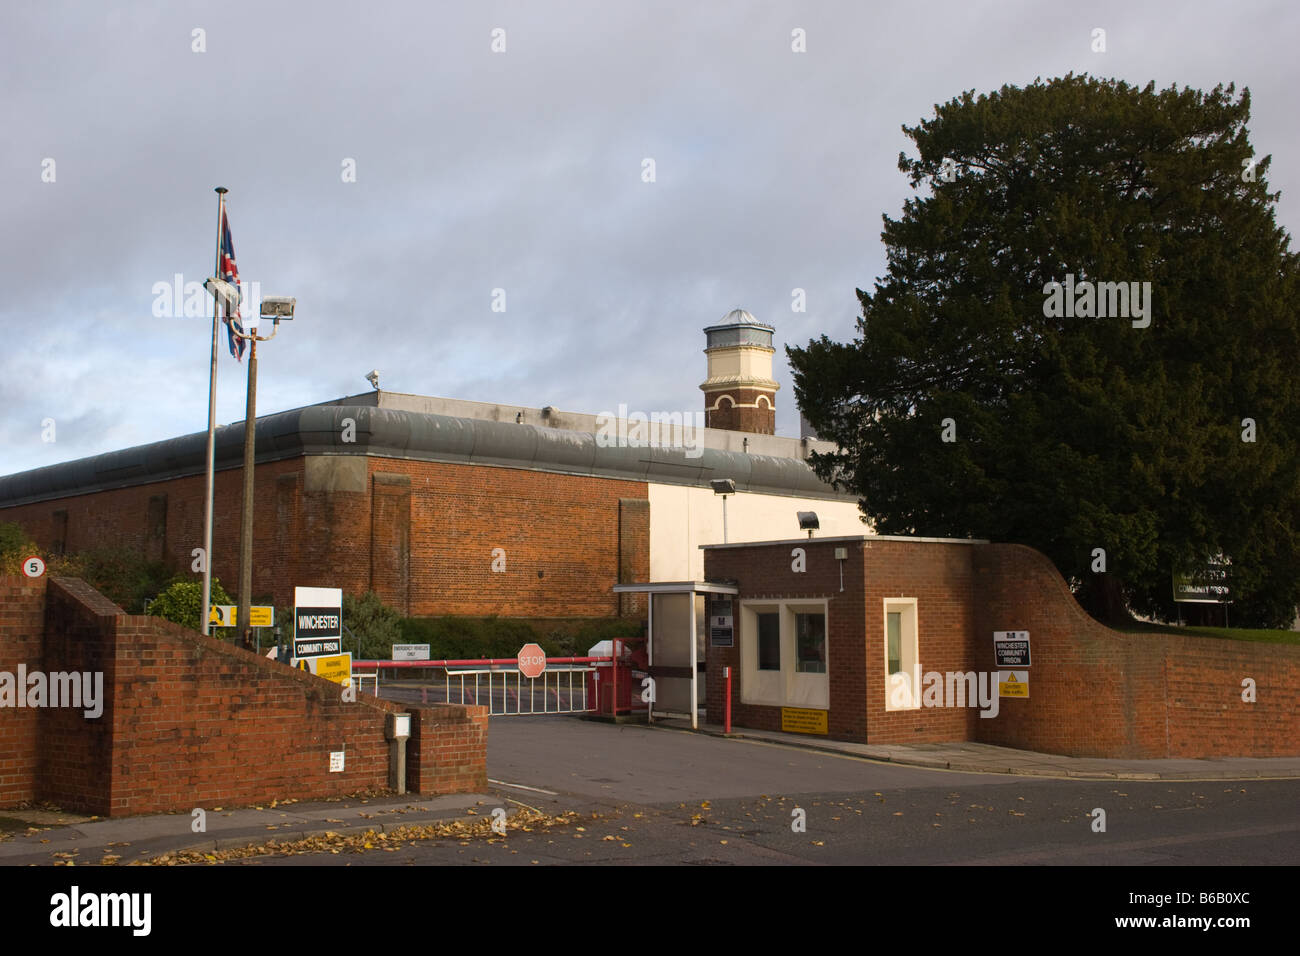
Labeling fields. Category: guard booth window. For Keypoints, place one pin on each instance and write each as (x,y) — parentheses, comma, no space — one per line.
(769,641)
(810,643)
(784,652)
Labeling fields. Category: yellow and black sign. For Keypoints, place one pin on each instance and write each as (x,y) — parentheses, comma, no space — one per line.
(1011,684)
(335,667)
(226,615)
(796,720)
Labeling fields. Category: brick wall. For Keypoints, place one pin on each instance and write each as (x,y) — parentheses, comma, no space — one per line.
(419,533)
(189,721)
(22,608)
(760,420)
(938,576)
(1092,691)
(1096,692)
(447,752)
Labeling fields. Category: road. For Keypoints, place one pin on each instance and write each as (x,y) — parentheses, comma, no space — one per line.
(651,796)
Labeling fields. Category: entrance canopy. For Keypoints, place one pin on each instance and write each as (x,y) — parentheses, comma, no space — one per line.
(667,635)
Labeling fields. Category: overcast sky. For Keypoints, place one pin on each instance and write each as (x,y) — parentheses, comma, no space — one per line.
(520,170)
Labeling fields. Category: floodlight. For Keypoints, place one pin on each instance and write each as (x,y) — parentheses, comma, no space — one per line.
(277,307)
(723,486)
(808,521)
(225,293)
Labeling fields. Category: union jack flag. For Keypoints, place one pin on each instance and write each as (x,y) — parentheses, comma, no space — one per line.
(229,272)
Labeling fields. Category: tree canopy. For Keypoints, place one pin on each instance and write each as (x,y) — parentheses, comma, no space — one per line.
(1003,384)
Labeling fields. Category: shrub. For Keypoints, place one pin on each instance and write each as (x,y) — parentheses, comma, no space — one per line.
(14,546)
(182,602)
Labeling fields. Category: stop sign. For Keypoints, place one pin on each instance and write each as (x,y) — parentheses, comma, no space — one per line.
(532,661)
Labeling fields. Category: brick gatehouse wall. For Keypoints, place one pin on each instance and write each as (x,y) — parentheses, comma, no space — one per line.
(1094,692)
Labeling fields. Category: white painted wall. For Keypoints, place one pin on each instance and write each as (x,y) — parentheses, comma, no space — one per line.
(683,518)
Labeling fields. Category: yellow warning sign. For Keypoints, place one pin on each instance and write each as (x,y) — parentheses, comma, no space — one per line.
(225,615)
(1011,684)
(335,667)
(797,720)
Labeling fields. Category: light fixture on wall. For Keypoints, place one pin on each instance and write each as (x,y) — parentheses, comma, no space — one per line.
(724,487)
(808,521)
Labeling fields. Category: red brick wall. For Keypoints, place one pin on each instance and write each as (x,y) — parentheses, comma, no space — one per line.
(564,526)
(421,534)
(22,608)
(765,572)
(447,752)
(190,721)
(75,767)
(937,575)
(1092,691)
(734,417)
(1096,692)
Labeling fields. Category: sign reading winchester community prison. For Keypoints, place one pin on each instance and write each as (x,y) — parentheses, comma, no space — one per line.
(1011,648)
(1207,584)
(317,622)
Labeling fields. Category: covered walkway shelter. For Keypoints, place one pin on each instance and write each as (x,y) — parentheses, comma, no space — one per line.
(679,613)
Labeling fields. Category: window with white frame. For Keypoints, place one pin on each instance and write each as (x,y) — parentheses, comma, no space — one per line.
(783,653)
(902,655)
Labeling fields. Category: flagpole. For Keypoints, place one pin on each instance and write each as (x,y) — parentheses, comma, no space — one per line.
(212,434)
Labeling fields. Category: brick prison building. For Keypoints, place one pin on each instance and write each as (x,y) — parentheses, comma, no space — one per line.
(452,507)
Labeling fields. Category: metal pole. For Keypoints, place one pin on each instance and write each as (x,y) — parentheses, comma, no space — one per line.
(212,436)
(727,672)
(695,717)
(650,652)
(246,513)
(724,519)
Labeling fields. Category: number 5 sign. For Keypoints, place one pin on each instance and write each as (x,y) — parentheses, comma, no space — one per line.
(33,567)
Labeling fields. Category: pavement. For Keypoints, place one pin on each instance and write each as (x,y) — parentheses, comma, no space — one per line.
(64,837)
(987,758)
(57,837)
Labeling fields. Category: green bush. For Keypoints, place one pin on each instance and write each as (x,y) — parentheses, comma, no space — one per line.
(182,603)
(123,576)
(469,638)
(14,546)
(377,626)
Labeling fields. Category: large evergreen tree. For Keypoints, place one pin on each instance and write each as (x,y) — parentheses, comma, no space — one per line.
(1076,432)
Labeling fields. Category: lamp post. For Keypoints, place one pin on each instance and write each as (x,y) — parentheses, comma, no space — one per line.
(724,487)
(276,308)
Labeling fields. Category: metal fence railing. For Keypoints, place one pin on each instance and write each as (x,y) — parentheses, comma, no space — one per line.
(498,684)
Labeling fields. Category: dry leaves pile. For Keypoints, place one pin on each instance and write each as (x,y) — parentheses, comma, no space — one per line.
(391,841)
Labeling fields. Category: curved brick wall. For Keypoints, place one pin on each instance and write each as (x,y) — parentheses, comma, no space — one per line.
(1095,692)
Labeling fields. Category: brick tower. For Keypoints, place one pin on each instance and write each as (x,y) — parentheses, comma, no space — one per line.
(740,393)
